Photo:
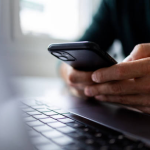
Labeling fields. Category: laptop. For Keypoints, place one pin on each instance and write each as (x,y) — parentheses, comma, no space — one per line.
(67,123)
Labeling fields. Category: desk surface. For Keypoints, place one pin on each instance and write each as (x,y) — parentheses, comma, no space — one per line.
(37,86)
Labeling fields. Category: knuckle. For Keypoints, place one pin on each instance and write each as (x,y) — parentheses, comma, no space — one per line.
(116,89)
(140,51)
(139,47)
(120,71)
(147,66)
(97,90)
(94,90)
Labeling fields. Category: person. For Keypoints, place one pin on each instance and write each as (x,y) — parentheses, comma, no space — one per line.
(129,81)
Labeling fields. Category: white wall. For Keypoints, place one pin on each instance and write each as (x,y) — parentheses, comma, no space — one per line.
(28,55)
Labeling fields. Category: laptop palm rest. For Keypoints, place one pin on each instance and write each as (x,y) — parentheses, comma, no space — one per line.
(118,118)
(114,116)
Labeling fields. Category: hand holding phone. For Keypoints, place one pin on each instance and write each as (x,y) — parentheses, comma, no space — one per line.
(83,58)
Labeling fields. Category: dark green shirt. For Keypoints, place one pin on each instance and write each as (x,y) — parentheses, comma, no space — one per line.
(126,20)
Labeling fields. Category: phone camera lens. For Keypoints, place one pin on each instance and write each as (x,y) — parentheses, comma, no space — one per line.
(66,55)
(63,58)
(56,54)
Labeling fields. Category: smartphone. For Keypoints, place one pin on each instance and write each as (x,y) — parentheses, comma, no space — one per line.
(83,56)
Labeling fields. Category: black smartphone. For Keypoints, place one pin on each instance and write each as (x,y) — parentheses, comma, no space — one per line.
(83,56)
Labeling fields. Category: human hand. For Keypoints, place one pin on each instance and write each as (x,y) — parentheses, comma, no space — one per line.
(76,80)
(125,83)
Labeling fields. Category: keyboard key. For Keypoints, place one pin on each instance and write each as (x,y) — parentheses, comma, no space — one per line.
(125,142)
(120,137)
(58,116)
(34,113)
(139,145)
(48,120)
(63,140)
(74,146)
(43,128)
(50,113)
(66,120)
(49,104)
(104,148)
(23,106)
(38,106)
(24,115)
(28,109)
(33,133)
(83,139)
(48,147)
(66,129)
(52,134)
(87,131)
(54,108)
(76,125)
(118,147)
(43,110)
(98,135)
(112,141)
(40,116)
(35,123)
(56,124)
(40,140)
(29,128)
(62,111)
(102,142)
(75,134)
(28,119)
(89,141)
(30,102)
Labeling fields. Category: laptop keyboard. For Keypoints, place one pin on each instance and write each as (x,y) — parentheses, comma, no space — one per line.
(51,128)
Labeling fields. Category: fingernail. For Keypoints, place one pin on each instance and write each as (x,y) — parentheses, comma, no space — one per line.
(88,92)
(94,78)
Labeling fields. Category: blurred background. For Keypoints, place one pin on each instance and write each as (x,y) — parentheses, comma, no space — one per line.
(27,27)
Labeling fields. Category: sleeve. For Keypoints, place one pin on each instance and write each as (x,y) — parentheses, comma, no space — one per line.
(101,30)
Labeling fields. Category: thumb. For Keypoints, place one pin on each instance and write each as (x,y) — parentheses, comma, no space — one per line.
(128,58)
(140,51)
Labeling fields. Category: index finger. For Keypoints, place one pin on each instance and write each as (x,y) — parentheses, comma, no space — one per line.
(76,76)
(122,71)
